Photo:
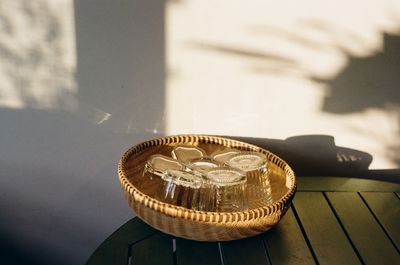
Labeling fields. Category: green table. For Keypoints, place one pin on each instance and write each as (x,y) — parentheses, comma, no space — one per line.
(331,221)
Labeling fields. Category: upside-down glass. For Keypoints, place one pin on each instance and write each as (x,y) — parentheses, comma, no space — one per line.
(230,180)
(255,166)
(225,190)
(154,169)
(185,153)
(202,164)
(181,188)
(222,156)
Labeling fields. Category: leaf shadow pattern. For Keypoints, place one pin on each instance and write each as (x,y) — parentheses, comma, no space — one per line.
(366,82)
(35,73)
(371,82)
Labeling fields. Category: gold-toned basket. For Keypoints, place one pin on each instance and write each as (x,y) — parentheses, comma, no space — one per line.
(200,225)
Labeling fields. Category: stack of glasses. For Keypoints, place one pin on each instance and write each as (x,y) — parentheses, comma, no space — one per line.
(226,181)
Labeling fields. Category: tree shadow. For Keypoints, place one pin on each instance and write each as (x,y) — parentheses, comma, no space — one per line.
(34,73)
(371,82)
(241,52)
(366,82)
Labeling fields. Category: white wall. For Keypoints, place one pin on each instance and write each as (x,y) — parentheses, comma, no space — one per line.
(278,69)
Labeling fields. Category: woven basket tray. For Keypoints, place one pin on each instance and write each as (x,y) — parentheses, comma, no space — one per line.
(200,225)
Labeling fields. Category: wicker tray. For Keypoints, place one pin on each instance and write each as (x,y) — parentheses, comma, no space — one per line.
(200,225)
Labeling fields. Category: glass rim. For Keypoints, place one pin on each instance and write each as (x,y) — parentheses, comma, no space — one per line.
(260,163)
(183,178)
(238,178)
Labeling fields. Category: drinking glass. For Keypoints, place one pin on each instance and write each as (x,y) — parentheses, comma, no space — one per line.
(159,164)
(181,188)
(202,164)
(154,169)
(222,156)
(185,153)
(225,190)
(254,164)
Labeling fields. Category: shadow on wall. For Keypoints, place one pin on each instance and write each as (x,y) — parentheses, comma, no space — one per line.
(365,83)
(34,71)
(121,62)
(318,155)
(59,190)
(370,82)
(116,75)
(322,156)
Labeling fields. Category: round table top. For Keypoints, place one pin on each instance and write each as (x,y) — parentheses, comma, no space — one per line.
(332,221)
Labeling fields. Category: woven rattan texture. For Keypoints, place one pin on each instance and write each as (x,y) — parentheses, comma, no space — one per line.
(198,225)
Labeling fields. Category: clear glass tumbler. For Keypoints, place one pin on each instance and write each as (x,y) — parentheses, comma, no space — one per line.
(222,156)
(225,190)
(255,166)
(185,153)
(181,188)
(155,168)
(202,164)
(159,164)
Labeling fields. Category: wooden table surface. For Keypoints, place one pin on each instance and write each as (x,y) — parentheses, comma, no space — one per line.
(331,221)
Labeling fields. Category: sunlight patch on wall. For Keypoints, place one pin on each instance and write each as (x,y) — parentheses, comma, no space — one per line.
(38,55)
(278,69)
